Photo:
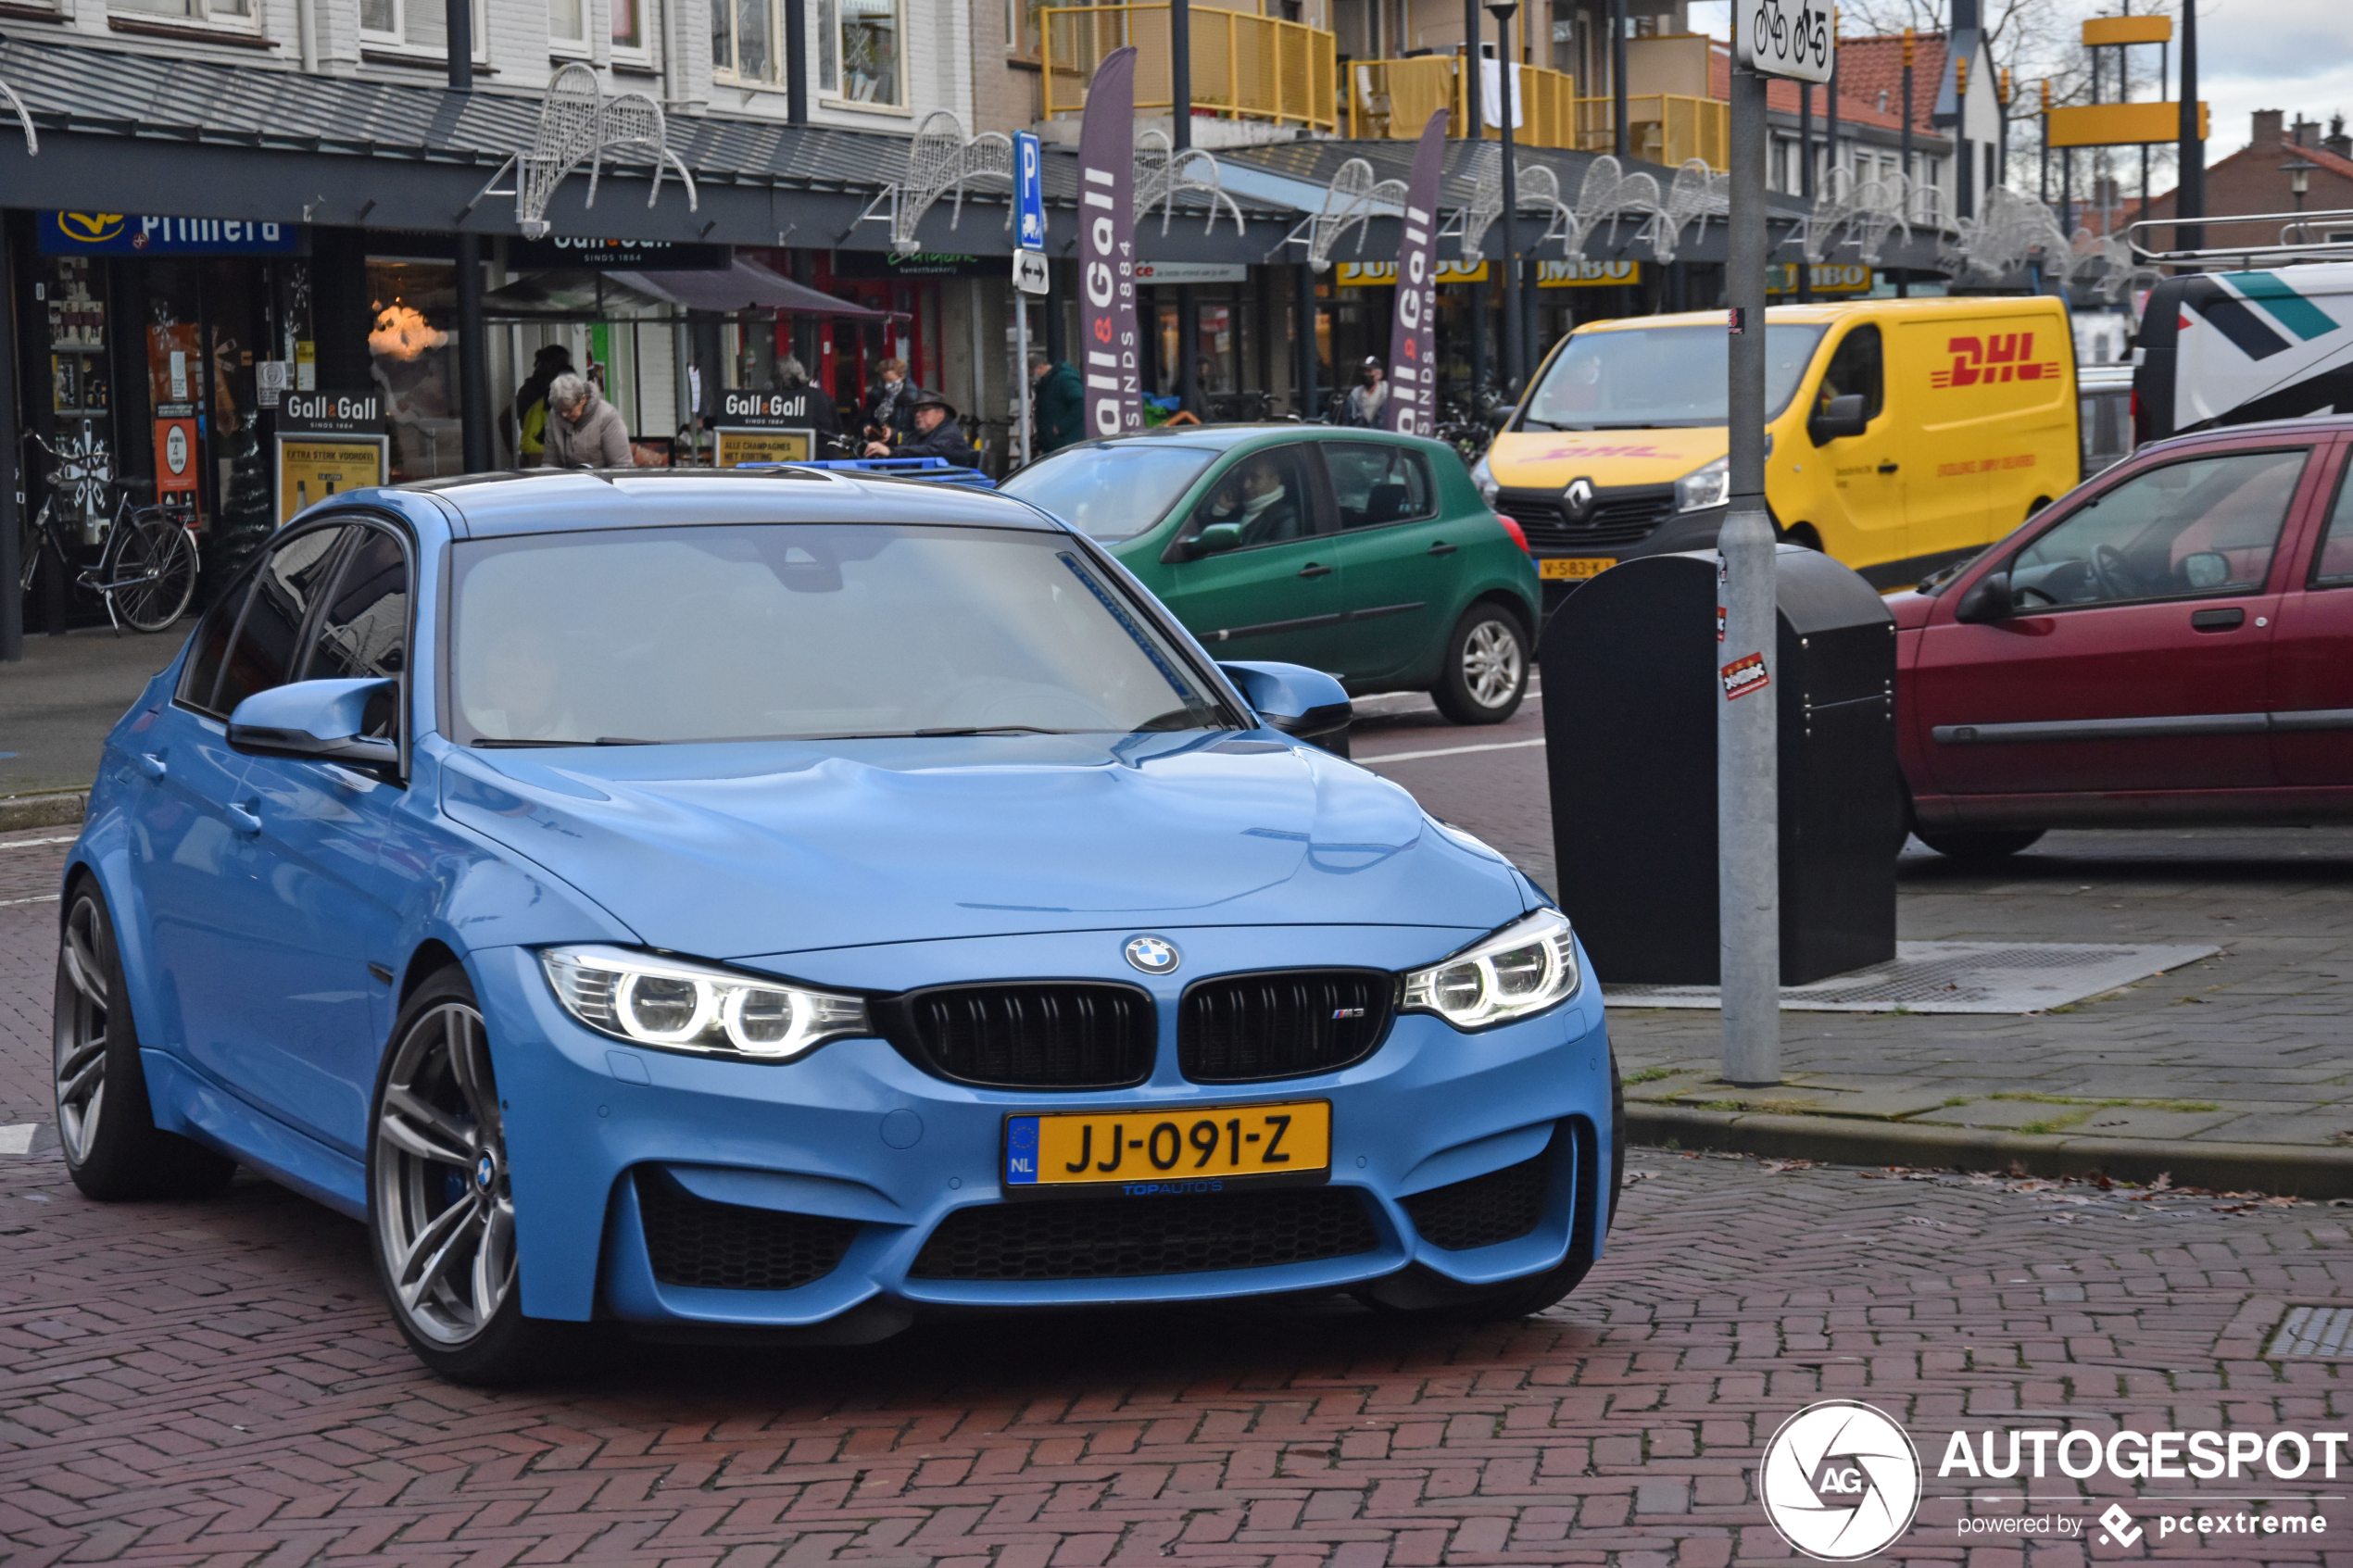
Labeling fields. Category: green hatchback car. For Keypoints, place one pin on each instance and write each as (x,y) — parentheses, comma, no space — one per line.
(1357,552)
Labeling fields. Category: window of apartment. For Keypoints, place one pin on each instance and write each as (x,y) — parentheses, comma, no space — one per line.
(568,21)
(745,38)
(418,25)
(192,10)
(860,51)
(1024,29)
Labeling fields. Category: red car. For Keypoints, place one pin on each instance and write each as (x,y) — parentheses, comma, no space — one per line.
(2171,642)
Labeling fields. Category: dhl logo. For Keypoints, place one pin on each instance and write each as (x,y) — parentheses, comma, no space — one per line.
(1998,356)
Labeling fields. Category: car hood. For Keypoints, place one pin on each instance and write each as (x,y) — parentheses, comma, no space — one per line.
(738,850)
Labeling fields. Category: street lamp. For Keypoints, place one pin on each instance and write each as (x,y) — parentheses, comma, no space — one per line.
(1507,104)
(2299,179)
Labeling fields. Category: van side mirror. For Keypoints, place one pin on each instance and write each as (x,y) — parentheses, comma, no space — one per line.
(1215,540)
(317,721)
(1840,418)
(1988,600)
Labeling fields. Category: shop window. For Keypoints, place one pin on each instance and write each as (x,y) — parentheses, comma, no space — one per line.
(413,360)
(861,55)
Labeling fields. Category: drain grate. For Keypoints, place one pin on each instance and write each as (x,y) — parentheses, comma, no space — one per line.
(2320,1333)
(1953,977)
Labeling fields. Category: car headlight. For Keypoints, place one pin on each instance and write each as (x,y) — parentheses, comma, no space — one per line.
(1710,486)
(673,1004)
(1523,969)
(1484,477)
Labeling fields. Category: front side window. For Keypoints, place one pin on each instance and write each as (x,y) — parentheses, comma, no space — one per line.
(1855,370)
(363,630)
(1110,493)
(268,633)
(2334,567)
(1265,495)
(2208,525)
(1376,484)
(770,634)
(1644,378)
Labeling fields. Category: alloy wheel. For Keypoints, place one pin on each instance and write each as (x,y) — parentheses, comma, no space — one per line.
(1493,663)
(444,1213)
(80,1030)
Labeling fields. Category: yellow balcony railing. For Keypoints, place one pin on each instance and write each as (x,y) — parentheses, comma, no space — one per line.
(1395,99)
(1661,128)
(1244,66)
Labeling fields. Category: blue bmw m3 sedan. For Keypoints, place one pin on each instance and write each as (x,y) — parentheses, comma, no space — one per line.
(796,904)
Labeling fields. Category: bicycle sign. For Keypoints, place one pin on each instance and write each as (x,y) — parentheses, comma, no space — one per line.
(1781,39)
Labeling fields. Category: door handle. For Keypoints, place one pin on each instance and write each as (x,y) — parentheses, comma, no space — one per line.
(245,819)
(1442,549)
(151,764)
(2228,620)
(1312,569)
(1889,468)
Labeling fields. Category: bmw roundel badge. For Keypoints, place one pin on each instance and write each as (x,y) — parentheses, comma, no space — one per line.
(1153,955)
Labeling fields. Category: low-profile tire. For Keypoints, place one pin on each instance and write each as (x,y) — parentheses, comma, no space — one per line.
(1485,671)
(440,1208)
(1977,849)
(106,1123)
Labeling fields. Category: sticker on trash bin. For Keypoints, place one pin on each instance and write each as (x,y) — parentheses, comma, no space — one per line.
(1719,623)
(1745,675)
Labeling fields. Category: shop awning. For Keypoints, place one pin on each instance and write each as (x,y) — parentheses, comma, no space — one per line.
(588,294)
(748,286)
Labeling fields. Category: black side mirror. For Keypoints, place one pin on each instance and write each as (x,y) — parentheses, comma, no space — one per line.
(1841,417)
(1988,600)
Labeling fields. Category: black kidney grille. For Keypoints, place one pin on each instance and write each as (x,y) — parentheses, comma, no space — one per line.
(1500,1205)
(726,1247)
(1618,518)
(1052,1035)
(1284,1023)
(1129,1237)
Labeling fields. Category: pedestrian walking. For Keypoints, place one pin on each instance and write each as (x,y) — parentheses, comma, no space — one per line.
(1058,402)
(584,431)
(528,417)
(1366,398)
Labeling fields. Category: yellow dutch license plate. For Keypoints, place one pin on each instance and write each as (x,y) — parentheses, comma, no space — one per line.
(1193,1150)
(1574,568)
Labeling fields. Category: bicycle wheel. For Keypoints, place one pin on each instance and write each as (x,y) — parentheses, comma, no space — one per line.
(156,569)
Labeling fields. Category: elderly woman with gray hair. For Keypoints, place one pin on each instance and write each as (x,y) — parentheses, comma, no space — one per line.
(584,431)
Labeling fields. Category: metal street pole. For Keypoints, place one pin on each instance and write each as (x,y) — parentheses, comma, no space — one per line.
(1473,125)
(1805,268)
(1020,367)
(1747,793)
(2189,191)
(1507,101)
(473,364)
(1622,134)
(1180,136)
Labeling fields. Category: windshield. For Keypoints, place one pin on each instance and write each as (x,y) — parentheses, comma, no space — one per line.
(1645,378)
(1110,493)
(802,632)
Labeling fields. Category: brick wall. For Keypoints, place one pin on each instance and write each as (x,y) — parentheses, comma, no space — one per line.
(2251,181)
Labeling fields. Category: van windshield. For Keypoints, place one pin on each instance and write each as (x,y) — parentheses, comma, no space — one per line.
(1648,378)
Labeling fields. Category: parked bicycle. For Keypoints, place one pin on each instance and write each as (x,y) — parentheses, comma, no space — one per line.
(146,569)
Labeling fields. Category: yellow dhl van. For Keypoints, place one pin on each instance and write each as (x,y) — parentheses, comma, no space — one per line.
(1902,434)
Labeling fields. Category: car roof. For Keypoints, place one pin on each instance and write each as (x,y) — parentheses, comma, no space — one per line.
(1821,312)
(1225,437)
(2316,426)
(570,500)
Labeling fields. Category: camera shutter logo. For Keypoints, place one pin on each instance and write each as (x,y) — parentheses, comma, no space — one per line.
(1840,1480)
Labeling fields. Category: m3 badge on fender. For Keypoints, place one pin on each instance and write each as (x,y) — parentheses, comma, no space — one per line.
(1153,955)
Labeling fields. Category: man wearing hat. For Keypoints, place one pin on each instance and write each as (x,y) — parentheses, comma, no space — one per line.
(937,434)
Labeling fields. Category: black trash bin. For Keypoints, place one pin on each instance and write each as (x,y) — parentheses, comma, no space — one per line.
(1630,666)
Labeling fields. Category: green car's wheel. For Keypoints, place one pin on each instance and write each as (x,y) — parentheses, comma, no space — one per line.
(1485,673)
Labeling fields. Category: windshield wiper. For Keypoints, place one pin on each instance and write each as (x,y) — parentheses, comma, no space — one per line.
(990,730)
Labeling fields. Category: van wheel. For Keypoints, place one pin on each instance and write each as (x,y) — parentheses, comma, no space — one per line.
(2036,505)
(1802,533)
(1977,849)
(1485,673)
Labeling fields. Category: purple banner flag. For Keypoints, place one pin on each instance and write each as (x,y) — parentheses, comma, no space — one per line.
(1107,249)
(1413,341)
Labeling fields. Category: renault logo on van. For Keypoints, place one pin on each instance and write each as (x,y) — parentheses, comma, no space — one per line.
(1579,499)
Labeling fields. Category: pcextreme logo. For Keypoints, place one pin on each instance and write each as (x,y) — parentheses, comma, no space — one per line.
(1840,1480)
(1996,356)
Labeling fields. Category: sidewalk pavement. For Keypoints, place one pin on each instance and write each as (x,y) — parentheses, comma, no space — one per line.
(57,704)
